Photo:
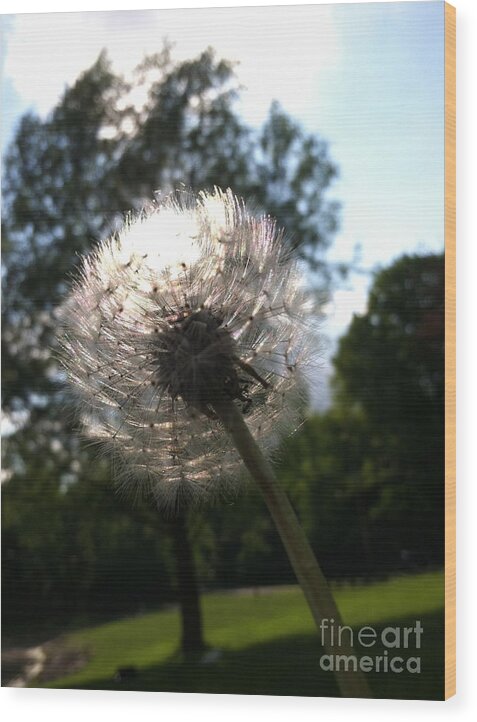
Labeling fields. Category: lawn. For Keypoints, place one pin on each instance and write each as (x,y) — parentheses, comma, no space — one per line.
(267,643)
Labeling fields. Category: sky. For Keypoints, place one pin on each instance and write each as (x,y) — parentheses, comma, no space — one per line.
(368,78)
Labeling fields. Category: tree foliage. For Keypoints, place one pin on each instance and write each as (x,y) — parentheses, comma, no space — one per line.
(390,368)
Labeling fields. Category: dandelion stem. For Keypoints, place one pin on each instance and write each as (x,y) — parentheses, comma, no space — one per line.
(308,572)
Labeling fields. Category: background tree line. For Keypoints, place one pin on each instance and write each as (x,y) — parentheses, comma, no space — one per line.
(366,476)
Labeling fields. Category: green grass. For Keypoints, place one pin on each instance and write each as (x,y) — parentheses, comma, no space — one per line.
(268,642)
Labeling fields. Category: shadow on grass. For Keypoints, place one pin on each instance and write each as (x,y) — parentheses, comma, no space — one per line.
(290,666)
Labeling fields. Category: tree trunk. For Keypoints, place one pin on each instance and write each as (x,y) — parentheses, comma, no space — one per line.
(187,588)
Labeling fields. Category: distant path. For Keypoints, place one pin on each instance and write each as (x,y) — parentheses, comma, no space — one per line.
(31,662)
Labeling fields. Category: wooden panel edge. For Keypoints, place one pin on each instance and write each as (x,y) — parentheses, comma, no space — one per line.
(450,349)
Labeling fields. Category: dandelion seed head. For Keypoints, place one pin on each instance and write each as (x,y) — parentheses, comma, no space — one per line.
(192,301)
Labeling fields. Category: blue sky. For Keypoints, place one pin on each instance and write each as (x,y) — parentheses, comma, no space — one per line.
(367,77)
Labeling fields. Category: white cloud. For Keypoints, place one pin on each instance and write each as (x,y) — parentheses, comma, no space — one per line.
(277,48)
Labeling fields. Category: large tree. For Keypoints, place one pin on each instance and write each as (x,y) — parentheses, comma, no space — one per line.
(390,369)
(69,178)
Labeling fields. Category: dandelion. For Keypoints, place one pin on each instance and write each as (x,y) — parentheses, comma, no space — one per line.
(194,301)
(188,338)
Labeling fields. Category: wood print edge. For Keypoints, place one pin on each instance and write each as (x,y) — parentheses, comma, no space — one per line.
(450,350)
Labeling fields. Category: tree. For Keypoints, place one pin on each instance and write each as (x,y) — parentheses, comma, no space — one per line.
(390,368)
(68,179)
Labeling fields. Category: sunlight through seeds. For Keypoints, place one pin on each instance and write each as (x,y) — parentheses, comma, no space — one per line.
(192,300)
